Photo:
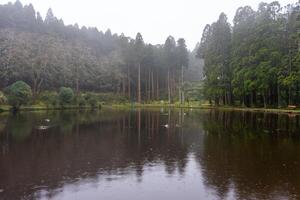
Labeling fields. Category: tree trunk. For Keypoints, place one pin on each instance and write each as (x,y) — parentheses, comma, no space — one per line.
(124,86)
(264,98)
(77,86)
(149,85)
(217,101)
(139,83)
(38,89)
(169,89)
(146,87)
(34,87)
(297,93)
(290,71)
(152,86)
(278,96)
(179,95)
(157,87)
(128,80)
(252,97)
(181,90)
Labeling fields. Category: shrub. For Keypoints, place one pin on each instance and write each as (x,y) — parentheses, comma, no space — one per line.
(65,95)
(18,94)
(91,99)
(50,98)
(80,101)
(111,98)
(3,99)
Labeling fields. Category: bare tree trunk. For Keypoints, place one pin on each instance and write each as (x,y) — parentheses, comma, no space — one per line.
(290,71)
(157,87)
(169,87)
(264,98)
(124,86)
(179,95)
(146,87)
(181,89)
(34,87)
(152,86)
(173,91)
(149,85)
(38,89)
(251,97)
(128,80)
(278,96)
(139,83)
(77,86)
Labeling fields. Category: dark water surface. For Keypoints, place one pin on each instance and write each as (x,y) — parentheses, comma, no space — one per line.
(130,155)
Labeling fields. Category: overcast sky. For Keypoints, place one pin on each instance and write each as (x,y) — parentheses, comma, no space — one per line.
(155,19)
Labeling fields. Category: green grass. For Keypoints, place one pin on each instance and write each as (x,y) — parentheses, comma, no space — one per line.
(156,104)
(4,108)
(268,110)
(197,105)
(7,108)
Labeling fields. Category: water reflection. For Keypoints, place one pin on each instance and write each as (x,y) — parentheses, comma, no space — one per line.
(257,154)
(149,154)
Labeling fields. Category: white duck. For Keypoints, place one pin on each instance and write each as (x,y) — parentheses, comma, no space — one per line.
(166,125)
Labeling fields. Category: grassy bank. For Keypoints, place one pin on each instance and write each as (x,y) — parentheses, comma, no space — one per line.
(192,105)
(267,110)
(6,108)
(195,105)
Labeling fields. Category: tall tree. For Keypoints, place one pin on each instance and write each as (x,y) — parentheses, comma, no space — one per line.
(139,55)
(183,62)
(170,62)
(215,49)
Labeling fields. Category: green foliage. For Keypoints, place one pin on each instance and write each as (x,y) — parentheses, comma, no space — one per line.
(18,94)
(215,50)
(91,99)
(110,98)
(47,55)
(194,91)
(80,100)
(50,98)
(65,95)
(255,61)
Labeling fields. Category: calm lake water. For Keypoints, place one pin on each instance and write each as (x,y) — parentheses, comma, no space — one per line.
(131,155)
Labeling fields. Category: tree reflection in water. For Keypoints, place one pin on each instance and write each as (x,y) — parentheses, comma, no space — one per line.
(252,155)
(257,154)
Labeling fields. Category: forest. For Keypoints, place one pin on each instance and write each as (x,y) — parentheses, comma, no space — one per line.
(253,62)
(46,54)
(256,61)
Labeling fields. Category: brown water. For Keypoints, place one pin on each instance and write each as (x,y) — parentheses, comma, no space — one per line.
(130,155)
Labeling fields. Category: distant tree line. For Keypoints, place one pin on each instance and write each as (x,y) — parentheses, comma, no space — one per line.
(47,54)
(255,61)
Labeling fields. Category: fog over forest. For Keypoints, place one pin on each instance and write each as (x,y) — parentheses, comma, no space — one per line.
(252,61)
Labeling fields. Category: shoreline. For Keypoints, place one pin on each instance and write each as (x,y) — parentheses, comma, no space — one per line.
(208,107)
(6,108)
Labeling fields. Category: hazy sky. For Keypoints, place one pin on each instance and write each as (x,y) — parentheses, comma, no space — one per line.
(155,19)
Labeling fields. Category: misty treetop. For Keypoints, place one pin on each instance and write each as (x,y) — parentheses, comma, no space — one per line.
(47,55)
(256,60)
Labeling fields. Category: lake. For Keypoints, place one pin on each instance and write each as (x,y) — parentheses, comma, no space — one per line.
(149,154)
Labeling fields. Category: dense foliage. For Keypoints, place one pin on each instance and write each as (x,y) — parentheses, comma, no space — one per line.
(47,55)
(255,60)
(18,94)
(65,95)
